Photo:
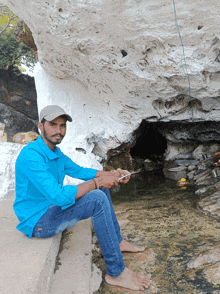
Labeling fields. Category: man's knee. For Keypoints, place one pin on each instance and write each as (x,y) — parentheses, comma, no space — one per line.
(99,196)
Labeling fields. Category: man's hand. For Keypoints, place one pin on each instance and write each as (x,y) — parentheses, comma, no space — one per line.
(120,173)
(110,179)
(107,181)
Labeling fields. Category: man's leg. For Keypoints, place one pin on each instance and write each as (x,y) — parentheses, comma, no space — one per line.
(128,278)
(96,205)
(124,245)
(114,218)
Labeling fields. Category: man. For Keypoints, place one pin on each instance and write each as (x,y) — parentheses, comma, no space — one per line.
(45,207)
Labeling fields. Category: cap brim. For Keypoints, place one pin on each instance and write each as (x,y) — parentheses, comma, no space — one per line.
(51,117)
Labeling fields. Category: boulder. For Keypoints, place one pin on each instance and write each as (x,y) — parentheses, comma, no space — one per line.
(3,135)
(3,138)
(15,121)
(191,175)
(203,152)
(178,151)
(191,167)
(25,138)
(211,204)
(210,256)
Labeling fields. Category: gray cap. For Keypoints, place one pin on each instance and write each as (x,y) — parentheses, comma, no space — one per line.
(51,112)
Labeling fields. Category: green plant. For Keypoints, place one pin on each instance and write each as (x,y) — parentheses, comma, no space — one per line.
(11,51)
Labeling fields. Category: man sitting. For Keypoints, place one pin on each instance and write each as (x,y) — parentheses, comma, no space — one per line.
(45,207)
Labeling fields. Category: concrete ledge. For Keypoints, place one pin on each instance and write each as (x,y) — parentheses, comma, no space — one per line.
(26,265)
(74,270)
(76,274)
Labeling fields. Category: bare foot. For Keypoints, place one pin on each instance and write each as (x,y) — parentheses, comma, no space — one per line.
(128,247)
(129,279)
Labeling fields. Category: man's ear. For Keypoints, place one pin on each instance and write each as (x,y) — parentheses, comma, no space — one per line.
(40,126)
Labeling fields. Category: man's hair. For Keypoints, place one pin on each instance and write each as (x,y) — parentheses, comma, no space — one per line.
(62,116)
(43,121)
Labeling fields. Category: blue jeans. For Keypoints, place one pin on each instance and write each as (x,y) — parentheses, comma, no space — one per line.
(98,205)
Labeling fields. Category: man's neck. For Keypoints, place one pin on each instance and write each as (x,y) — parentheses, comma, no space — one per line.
(50,145)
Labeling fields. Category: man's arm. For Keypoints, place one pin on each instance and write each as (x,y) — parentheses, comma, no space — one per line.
(104,179)
(75,171)
(117,174)
(31,165)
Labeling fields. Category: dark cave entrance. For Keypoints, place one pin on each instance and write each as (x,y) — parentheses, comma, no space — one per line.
(145,152)
(161,146)
(150,143)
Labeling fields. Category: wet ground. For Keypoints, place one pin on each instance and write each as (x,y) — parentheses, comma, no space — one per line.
(182,243)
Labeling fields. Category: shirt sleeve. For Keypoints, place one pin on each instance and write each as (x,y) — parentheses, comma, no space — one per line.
(33,166)
(75,171)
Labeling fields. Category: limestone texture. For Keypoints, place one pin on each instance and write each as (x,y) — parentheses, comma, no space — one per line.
(9,153)
(112,64)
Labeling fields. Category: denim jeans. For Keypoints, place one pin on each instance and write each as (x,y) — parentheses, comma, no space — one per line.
(98,205)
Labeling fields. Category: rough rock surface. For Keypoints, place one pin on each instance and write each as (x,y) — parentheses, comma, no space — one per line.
(9,153)
(18,103)
(211,204)
(15,121)
(25,138)
(122,62)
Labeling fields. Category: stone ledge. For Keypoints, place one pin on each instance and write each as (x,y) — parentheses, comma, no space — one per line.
(26,265)
(76,273)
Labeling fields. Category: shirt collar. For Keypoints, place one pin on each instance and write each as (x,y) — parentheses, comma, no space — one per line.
(49,153)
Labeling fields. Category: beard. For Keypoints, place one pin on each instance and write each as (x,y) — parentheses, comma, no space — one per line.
(49,139)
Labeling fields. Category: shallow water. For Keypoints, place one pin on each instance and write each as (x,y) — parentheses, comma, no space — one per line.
(155,212)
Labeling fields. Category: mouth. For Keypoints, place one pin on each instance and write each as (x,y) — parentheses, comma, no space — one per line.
(58,137)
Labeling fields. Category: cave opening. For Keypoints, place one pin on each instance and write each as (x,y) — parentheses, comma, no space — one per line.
(150,143)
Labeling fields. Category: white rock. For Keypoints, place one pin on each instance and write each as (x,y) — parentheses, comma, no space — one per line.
(176,151)
(9,153)
(191,167)
(201,190)
(80,43)
(199,152)
(191,174)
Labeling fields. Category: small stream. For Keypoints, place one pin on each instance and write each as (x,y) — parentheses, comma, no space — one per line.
(155,212)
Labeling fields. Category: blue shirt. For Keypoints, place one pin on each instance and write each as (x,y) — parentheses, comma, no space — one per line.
(39,174)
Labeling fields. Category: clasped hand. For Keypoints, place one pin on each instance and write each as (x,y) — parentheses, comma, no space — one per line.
(111,179)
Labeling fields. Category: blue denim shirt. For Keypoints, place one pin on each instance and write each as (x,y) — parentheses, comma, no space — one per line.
(39,174)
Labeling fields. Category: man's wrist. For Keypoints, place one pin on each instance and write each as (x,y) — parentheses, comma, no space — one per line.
(96,183)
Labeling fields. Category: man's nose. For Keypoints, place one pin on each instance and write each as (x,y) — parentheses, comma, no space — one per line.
(58,129)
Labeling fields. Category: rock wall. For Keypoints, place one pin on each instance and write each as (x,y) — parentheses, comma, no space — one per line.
(18,103)
(112,64)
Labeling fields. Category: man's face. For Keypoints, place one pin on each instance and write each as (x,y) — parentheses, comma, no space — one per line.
(53,131)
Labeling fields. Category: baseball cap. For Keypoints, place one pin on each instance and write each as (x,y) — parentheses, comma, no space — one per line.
(51,112)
